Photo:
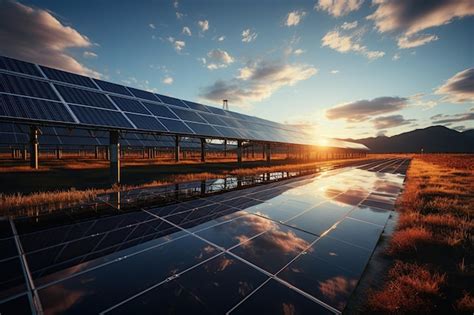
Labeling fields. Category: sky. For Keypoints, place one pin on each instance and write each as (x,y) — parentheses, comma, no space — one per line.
(340,68)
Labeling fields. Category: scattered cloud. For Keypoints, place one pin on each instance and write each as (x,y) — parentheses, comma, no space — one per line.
(298,52)
(217,59)
(167,80)
(294,18)
(179,15)
(334,71)
(248,36)
(349,43)
(410,17)
(221,38)
(338,8)
(349,26)
(363,110)
(411,41)
(203,25)
(385,122)
(448,119)
(175,4)
(89,54)
(257,81)
(459,88)
(36,35)
(178,45)
(152,26)
(186,31)
(396,56)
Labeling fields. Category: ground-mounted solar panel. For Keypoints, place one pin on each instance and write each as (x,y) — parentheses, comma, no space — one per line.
(68,77)
(197,106)
(175,126)
(143,94)
(146,122)
(24,86)
(229,132)
(171,100)
(188,115)
(84,97)
(19,66)
(129,105)
(35,109)
(213,119)
(112,87)
(217,111)
(160,110)
(100,117)
(204,129)
(232,122)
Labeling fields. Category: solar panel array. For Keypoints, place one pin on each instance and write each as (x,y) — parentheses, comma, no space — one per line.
(41,94)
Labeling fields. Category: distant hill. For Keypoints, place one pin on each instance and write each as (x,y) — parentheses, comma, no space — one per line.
(431,140)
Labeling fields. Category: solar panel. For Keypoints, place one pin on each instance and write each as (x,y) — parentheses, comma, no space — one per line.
(213,119)
(146,122)
(143,94)
(112,87)
(229,132)
(203,129)
(175,126)
(217,111)
(24,86)
(171,100)
(100,117)
(68,77)
(188,115)
(129,105)
(197,106)
(83,97)
(23,107)
(19,66)
(160,110)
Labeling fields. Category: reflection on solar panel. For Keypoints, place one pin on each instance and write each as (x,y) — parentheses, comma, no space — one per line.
(240,251)
(21,80)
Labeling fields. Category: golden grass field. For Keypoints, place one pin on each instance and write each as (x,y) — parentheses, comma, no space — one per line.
(432,247)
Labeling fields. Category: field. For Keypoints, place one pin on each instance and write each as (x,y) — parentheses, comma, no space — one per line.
(432,248)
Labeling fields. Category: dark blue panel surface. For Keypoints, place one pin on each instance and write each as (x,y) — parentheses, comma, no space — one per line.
(24,86)
(19,66)
(100,117)
(146,122)
(143,94)
(175,126)
(112,87)
(79,96)
(188,115)
(159,110)
(68,77)
(129,105)
(171,100)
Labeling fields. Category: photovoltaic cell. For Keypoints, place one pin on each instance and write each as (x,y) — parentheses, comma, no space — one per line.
(160,110)
(217,111)
(203,129)
(146,122)
(229,132)
(143,94)
(83,97)
(188,115)
(213,119)
(112,87)
(175,126)
(129,105)
(24,86)
(171,100)
(100,117)
(197,106)
(23,107)
(63,76)
(19,66)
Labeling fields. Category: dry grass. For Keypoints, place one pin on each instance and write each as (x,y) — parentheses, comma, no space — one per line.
(434,231)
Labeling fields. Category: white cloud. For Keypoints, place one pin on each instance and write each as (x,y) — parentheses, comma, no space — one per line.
(152,26)
(396,56)
(89,54)
(217,59)
(36,35)
(411,41)
(167,80)
(221,38)
(338,8)
(179,15)
(348,43)
(298,52)
(363,110)
(334,71)
(349,26)
(186,31)
(248,36)
(459,88)
(178,45)
(294,18)
(257,81)
(204,25)
(175,4)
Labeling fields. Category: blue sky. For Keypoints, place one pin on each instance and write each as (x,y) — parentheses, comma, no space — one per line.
(346,68)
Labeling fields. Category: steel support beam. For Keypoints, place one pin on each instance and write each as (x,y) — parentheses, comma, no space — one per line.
(225,148)
(59,153)
(239,151)
(34,147)
(268,152)
(203,150)
(114,148)
(176,149)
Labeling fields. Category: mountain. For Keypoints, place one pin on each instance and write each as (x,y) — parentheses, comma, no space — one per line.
(431,140)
